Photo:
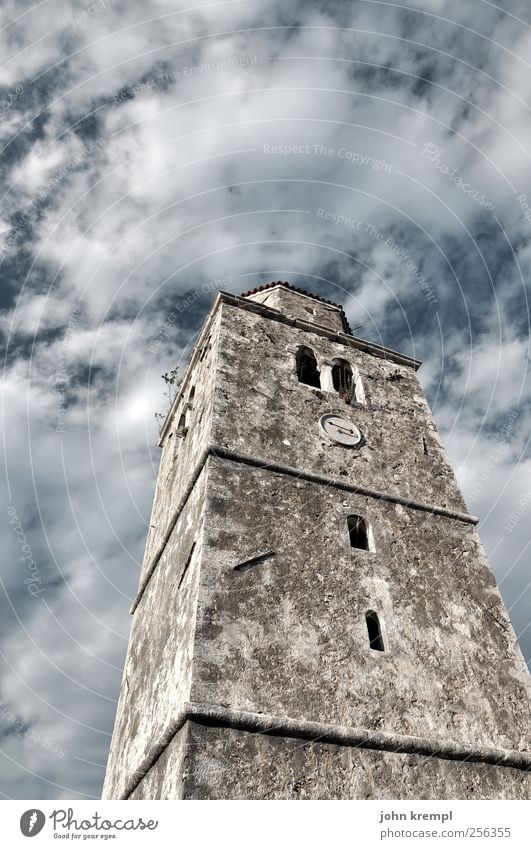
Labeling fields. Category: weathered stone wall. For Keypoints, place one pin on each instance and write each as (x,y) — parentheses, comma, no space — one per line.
(232,764)
(289,637)
(158,669)
(261,409)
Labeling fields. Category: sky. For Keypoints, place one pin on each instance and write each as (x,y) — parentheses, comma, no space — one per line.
(152,153)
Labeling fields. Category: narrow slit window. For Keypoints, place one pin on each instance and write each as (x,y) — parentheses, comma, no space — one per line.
(307,371)
(374,631)
(191,396)
(343,379)
(425,446)
(254,561)
(206,348)
(182,425)
(358,531)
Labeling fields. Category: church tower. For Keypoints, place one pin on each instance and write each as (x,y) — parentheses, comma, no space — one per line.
(316,617)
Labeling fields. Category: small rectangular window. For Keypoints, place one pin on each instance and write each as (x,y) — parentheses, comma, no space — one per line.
(206,348)
(359,533)
(181,428)
(374,631)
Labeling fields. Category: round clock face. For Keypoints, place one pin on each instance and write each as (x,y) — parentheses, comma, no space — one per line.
(341,430)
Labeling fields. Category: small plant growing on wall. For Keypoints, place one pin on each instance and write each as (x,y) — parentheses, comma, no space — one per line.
(173,382)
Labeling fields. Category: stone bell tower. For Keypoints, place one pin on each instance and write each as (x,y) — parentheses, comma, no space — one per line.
(316,617)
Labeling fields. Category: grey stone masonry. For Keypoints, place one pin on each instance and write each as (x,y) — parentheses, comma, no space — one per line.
(316,616)
(294,304)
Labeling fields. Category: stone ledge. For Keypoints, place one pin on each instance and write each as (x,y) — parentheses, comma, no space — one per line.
(313,477)
(278,468)
(325,733)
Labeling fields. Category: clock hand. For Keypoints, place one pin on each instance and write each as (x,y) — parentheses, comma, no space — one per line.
(344,429)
